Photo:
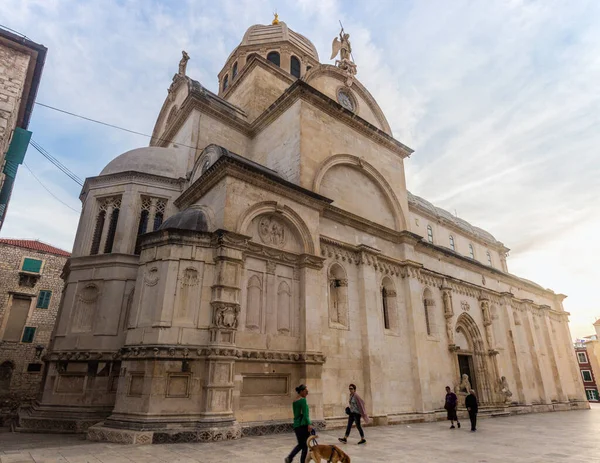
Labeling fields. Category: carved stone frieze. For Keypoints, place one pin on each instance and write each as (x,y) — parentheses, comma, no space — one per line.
(151,276)
(272,231)
(465,306)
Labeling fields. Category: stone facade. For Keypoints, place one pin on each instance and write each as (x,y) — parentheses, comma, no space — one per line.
(266,238)
(21,64)
(26,305)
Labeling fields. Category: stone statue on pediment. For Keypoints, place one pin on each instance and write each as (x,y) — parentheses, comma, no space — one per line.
(183,63)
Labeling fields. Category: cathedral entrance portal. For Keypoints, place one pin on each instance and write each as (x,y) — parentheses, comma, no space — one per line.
(474,360)
(465,367)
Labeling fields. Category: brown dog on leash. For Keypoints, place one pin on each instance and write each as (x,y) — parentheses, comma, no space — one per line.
(329,453)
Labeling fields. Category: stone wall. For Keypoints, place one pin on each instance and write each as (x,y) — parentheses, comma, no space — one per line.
(13,70)
(24,384)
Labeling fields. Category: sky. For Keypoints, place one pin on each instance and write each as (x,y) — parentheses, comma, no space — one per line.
(499,99)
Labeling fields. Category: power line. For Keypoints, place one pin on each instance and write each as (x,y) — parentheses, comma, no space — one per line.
(56,162)
(110,125)
(45,188)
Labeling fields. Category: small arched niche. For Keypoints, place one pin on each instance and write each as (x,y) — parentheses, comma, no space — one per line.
(337,282)
(389,304)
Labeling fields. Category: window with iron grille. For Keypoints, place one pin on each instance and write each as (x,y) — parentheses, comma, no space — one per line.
(43,300)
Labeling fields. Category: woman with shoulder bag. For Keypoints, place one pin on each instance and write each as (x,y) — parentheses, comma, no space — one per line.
(355,411)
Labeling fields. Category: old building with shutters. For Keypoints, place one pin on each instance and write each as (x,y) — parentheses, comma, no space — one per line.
(21,65)
(266,238)
(30,291)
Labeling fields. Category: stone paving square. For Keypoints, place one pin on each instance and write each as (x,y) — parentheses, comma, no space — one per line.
(543,438)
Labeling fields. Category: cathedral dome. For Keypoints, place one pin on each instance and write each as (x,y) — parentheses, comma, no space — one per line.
(166,162)
(259,34)
(192,218)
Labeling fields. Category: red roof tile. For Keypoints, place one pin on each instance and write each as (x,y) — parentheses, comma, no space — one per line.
(35,245)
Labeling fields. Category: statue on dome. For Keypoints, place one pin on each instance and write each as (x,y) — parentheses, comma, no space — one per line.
(183,63)
(275,19)
(342,47)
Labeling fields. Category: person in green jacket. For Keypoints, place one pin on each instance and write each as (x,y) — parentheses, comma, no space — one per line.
(302,425)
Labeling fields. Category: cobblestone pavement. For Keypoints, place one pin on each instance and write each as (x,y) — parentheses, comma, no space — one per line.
(544,437)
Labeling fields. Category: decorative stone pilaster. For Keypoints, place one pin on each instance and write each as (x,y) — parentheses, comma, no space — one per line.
(219,369)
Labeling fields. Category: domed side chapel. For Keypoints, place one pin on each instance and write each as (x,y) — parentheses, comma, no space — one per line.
(266,238)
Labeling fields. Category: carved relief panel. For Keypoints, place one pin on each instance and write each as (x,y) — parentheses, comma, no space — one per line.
(86,303)
(273,231)
(188,295)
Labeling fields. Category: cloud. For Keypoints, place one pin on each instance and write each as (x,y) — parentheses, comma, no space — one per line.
(500,101)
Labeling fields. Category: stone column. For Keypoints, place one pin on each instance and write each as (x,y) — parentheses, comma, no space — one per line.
(449,316)
(312,303)
(417,330)
(371,332)
(105,227)
(492,354)
(221,352)
(556,373)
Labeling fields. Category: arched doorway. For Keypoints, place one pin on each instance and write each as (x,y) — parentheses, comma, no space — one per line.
(473,359)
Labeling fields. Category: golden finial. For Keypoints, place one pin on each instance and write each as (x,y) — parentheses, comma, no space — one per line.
(275,19)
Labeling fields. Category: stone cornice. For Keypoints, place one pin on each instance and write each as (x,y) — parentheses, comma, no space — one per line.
(102,260)
(284,257)
(213,106)
(178,352)
(331,248)
(176,237)
(128,177)
(478,267)
(496,245)
(230,167)
(304,91)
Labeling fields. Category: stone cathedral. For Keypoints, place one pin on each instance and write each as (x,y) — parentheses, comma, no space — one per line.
(266,238)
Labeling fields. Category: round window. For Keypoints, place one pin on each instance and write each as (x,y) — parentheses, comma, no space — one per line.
(345,99)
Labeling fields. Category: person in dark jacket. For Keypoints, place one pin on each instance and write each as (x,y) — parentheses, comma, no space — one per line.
(472,408)
(450,405)
(302,425)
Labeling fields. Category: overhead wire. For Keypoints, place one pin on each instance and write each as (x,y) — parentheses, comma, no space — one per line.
(56,162)
(135,132)
(50,192)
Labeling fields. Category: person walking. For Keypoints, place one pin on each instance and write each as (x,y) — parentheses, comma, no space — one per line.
(355,411)
(302,425)
(450,405)
(472,408)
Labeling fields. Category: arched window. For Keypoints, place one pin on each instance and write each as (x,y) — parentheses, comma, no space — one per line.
(471,252)
(225,82)
(295,67)
(338,296)
(428,304)
(430,234)
(273,57)
(386,313)
(388,303)
(489,257)
(452,243)
(234,71)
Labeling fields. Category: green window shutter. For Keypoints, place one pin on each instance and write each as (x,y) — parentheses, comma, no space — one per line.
(32,265)
(10,169)
(18,145)
(43,301)
(28,334)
